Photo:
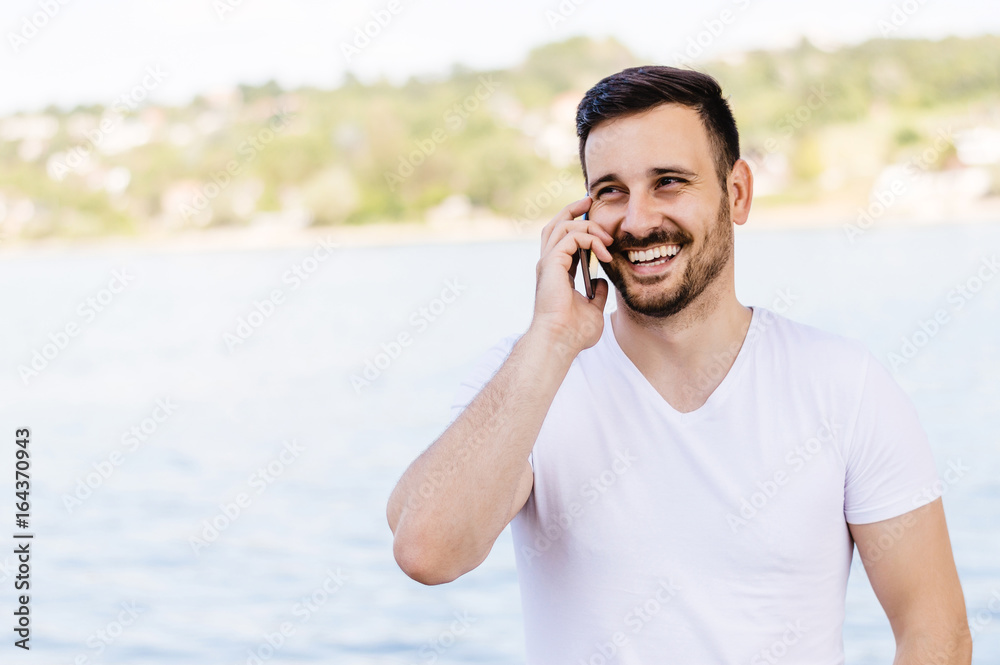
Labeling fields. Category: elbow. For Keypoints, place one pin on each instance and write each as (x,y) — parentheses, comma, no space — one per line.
(963,639)
(958,647)
(957,650)
(949,642)
(422,563)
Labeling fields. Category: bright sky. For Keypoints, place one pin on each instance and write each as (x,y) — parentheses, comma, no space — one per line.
(95,50)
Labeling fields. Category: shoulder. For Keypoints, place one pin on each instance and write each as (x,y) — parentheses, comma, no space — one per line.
(479,373)
(811,354)
(489,361)
(804,342)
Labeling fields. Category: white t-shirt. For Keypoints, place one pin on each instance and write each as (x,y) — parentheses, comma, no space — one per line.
(719,535)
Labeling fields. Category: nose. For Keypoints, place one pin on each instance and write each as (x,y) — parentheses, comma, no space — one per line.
(641,215)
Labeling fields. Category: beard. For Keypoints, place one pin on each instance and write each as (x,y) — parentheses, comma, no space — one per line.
(702,267)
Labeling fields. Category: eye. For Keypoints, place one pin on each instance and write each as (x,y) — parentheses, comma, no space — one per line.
(603,191)
(669,180)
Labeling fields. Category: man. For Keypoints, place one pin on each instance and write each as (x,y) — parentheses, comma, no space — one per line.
(685,477)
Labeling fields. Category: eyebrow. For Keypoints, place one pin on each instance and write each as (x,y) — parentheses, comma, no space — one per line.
(651,173)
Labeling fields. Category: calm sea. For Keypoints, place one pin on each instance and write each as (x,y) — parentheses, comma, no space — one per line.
(208,485)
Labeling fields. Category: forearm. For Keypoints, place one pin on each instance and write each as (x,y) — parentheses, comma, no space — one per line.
(937,643)
(454,500)
(924,649)
(912,570)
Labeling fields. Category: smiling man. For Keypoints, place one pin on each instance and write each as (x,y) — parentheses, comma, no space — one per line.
(685,477)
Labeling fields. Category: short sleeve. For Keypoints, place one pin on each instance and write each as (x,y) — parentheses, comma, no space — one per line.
(890,466)
(482,371)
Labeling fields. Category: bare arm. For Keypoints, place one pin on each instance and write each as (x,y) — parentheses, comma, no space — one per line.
(455,499)
(910,564)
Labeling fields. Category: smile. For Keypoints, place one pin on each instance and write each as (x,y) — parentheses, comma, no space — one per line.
(653,256)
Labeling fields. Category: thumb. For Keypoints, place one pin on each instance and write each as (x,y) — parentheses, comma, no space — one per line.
(600,293)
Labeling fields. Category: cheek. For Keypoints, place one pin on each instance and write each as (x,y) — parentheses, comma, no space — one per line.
(694,216)
(605,214)
(685,205)
(599,206)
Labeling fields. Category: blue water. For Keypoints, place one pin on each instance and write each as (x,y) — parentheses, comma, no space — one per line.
(318,516)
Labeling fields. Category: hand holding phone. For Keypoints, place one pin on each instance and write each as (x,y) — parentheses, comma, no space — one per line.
(584,255)
(561,313)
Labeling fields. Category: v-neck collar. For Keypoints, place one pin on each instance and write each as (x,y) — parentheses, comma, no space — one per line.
(720,392)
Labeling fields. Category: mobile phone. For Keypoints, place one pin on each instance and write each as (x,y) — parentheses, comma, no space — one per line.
(585,266)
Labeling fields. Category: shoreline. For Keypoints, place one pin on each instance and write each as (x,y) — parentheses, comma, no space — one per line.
(476,228)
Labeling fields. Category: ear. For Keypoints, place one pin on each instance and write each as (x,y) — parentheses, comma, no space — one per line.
(740,183)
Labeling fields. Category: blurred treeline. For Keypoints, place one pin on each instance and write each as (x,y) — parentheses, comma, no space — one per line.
(818,124)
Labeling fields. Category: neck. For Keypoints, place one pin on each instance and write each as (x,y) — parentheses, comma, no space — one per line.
(705,335)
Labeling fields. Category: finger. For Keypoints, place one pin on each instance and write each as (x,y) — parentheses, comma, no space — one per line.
(570,212)
(580,226)
(580,206)
(564,253)
(588,241)
(600,292)
(587,228)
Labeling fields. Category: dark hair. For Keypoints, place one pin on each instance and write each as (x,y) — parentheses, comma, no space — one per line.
(639,89)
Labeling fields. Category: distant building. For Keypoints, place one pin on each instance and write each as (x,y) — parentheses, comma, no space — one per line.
(979,146)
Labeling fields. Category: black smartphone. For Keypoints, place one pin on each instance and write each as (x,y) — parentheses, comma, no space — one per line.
(585,266)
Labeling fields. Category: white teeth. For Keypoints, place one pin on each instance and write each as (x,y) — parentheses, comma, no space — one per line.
(655,253)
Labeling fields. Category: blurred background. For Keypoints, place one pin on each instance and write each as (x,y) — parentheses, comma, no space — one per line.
(248,250)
